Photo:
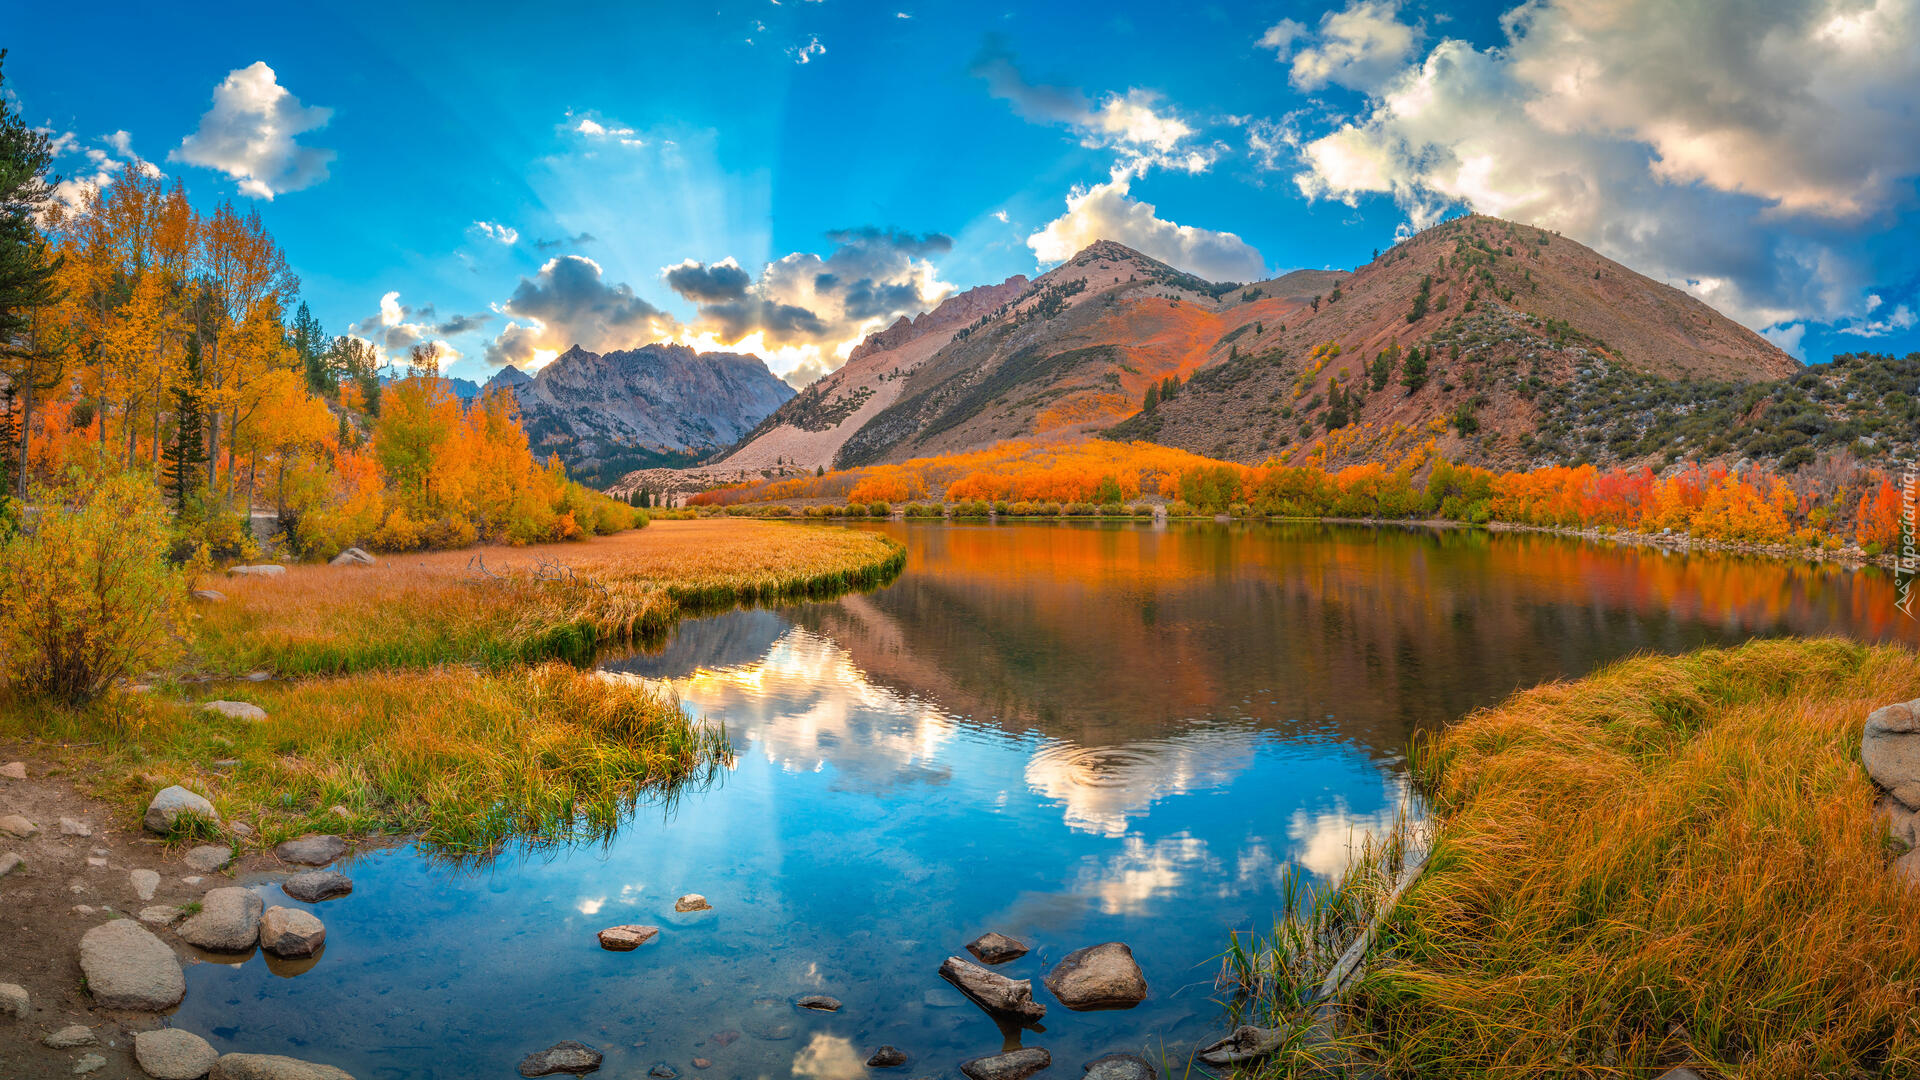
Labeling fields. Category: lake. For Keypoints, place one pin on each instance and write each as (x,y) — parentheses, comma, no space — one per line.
(1070,733)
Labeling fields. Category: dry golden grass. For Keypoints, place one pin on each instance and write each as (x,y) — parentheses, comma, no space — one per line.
(546,753)
(503,605)
(1673,861)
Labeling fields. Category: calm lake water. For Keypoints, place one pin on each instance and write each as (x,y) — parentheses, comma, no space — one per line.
(1068,733)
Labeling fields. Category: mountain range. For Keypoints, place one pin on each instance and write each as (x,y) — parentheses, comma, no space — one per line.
(1506,345)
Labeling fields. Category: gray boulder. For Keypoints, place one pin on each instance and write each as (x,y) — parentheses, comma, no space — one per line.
(211,596)
(14,770)
(74,827)
(994,947)
(995,993)
(291,932)
(237,710)
(144,882)
(1907,867)
(15,825)
(14,1001)
(128,968)
(207,858)
(264,570)
(167,807)
(9,862)
(173,1054)
(316,850)
(312,850)
(1098,977)
(272,1067)
(353,556)
(1012,1065)
(562,1057)
(1890,749)
(69,1037)
(89,1063)
(1120,1067)
(229,921)
(313,886)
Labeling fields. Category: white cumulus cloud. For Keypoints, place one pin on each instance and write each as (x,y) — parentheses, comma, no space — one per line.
(250,134)
(1109,211)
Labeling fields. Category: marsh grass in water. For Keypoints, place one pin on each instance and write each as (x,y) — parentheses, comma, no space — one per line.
(1672,861)
(544,754)
(499,606)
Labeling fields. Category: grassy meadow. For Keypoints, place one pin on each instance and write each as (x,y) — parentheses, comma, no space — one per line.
(442,694)
(496,606)
(1674,861)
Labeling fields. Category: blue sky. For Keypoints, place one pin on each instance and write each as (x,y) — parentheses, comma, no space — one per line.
(511,180)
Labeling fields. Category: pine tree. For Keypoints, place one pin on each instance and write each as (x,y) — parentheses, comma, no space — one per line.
(186,457)
(1153,398)
(9,438)
(314,348)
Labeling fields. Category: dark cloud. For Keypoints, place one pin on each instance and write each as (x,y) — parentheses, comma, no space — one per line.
(996,64)
(720,283)
(461,324)
(782,323)
(903,243)
(866,298)
(565,241)
(573,305)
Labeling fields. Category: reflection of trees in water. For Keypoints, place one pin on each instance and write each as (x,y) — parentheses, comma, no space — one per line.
(1103,635)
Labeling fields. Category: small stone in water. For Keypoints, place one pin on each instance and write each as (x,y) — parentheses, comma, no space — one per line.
(994,947)
(662,1071)
(692,902)
(562,1057)
(887,1057)
(627,938)
(819,1003)
(702,1063)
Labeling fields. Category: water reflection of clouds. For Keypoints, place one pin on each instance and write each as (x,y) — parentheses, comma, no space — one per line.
(806,703)
(1129,881)
(1101,787)
(829,1057)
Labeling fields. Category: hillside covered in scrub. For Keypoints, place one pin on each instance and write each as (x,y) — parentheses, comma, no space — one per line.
(1509,346)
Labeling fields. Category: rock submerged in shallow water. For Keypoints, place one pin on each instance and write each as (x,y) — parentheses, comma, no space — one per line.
(1247,1043)
(693,901)
(1120,1067)
(229,921)
(173,1054)
(167,808)
(272,1067)
(128,968)
(627,938)
(1098,977)
(995,993)
(316,850)
(291,932)
(819,1003)
(562,1057)
(662,1071)
(1890,750)
(887,1057)
(237,710)
(1012,1065)
(313,886)
(994,947)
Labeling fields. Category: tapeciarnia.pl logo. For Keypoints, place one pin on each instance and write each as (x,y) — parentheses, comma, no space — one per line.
(1906,565)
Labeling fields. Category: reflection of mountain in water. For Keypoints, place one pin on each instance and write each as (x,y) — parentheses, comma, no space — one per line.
(725,640)
(1102,636)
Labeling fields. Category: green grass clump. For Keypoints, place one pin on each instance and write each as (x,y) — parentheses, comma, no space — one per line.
(465,758)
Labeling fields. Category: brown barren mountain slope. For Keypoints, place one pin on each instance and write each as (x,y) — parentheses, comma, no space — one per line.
(1509,310)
